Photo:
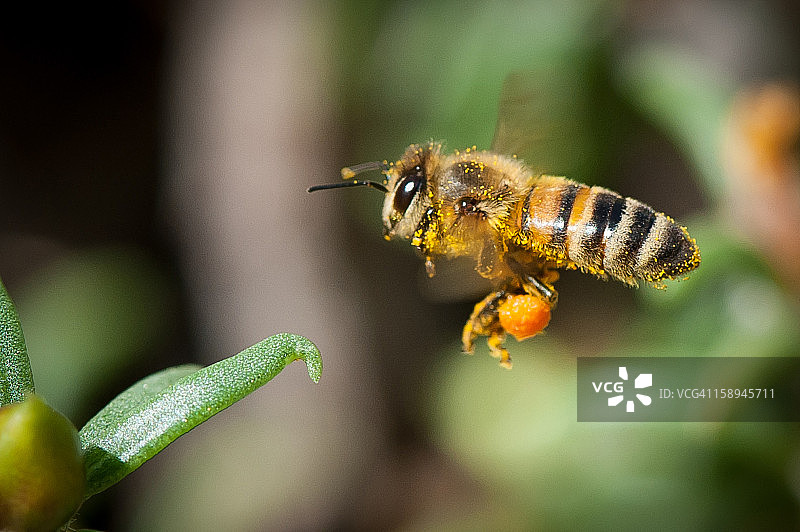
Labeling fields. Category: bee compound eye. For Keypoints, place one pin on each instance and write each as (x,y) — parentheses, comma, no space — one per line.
(407,189)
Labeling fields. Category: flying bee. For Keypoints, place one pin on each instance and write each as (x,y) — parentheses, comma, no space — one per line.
(521,227)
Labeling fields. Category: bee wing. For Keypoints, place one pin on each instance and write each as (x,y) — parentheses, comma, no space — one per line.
(517,100)
(535,120)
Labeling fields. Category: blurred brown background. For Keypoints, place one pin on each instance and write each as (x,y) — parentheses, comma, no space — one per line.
(153,165)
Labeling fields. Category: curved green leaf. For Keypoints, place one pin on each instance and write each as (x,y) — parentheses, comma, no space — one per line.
(15,367)
(152,413)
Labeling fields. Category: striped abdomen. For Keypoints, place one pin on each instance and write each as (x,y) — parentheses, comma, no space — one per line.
(603,233)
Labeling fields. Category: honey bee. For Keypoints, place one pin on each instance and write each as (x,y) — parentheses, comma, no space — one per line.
(521,227)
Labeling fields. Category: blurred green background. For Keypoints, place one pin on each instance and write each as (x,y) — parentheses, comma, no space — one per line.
(153,165)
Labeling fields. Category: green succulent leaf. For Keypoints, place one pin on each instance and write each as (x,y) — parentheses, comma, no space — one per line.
(152,413)
(15,368)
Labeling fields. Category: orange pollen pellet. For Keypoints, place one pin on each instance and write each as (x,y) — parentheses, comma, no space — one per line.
(524,315)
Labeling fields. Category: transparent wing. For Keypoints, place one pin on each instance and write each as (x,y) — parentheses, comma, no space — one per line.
(519,111)
(543,119)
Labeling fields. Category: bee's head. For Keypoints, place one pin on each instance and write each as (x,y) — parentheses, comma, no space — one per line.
(409,194)
(405,186)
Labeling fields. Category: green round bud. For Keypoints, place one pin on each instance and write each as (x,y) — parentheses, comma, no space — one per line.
(42,478)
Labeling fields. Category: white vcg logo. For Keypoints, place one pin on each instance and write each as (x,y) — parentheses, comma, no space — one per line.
(607,387)
(643,380)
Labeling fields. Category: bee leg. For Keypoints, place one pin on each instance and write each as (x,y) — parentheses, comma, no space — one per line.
(496,349)
(485,321)
(482,319)
(534,286)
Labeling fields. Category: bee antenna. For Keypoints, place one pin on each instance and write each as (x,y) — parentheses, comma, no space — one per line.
(354,183)
(349,172)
